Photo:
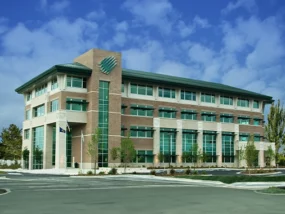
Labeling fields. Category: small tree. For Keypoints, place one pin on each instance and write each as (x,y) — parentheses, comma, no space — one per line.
(241,153)
(92,149)
(26,154)
(160,157)
(251,154)
(126,152)
(270,156)
(114,153)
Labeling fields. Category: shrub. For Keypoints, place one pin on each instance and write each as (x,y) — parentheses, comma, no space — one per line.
(152,172)
(134,172)
(90,173)
(281,161)
(204,173)
(113,171)
(195,172)
(172,172)
(187,171)
(101,173)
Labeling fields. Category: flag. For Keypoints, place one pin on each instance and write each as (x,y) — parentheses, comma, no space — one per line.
(61,130)
(82,137)
(67,126)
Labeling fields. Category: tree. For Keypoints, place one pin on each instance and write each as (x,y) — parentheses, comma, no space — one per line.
(251,154)
(241,153)
(92,147)
(12,142)
(26,154)
(126,152)
(114,153)
(275,127)
(270,156)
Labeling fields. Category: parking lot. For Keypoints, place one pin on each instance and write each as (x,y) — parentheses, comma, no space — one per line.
(62,194)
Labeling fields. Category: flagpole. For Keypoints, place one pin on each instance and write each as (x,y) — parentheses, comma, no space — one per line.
(81,151)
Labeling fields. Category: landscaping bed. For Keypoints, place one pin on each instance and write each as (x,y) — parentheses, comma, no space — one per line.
(273,190)
(233,179)
(258,171)
(1,172)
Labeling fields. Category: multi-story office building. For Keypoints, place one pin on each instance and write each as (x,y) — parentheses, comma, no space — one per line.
(163,114)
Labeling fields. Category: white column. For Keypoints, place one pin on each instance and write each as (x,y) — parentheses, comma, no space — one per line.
(30,148)
(219,149)
(156,139)
(179,142)
(261,161)
(60,148)
(47,151)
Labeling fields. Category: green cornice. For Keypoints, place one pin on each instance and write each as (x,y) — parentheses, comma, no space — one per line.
(70,68)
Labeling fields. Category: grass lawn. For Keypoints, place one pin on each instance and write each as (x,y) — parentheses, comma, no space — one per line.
(272,190)
(233,179)
(1,172)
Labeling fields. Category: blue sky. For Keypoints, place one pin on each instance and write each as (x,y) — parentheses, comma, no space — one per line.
(238,42)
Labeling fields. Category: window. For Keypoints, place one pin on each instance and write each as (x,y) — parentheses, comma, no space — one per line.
(141,132)
(228,148)
(187,95)
(226,118)
(189,145)
(141,89)
(167,112)
(167,146)
(257,137)
(243,102)
(29,96)
(226,100)
(256,121)
(123,110)
(28,114)
(76,82)
(209,116)
(166,92)
(141,110)
(41,90)
(144,156)
(123,88)
(26,134)
(244,120)
(188,116)
(243,137)
(38,145)
(76,104)
(39,111)
(54,84)
(53,105)
(255,104)
(208,98)
(209,146)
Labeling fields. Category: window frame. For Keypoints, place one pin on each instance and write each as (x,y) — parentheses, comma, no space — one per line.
(73,80)
(242,101)
(230,100)
(204,98)
(162,91)
(186,93)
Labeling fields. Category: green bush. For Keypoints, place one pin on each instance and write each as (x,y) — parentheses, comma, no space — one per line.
(90,173)
(113,171)
(172,172)
(281,160)
(187,171)
(195,172)
(233,179)
(12,166)
(134,172)
(152,172)
(101,173)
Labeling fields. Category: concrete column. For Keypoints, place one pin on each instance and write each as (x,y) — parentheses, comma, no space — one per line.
(47,153)
(30,148)
(261,161)
(179,142)
(60,147)
(198,97)
(219,149)
(200,138)
(156,139)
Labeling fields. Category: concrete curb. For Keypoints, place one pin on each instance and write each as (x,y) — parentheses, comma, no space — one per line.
(260,174)
(5,193)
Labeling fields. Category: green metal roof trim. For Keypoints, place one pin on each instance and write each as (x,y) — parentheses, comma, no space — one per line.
(141,128)
(69,68)
(147,107)
(244,117)
(167,109)
(184,82)
(208,113)
(226,115)
(190,131)
(228,133)
(167,130)
(189,111)
(210,132)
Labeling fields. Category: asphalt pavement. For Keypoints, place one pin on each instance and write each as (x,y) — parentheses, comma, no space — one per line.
(60,194)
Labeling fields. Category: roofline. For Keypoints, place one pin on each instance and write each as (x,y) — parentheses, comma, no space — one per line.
(54,69)
(126,75)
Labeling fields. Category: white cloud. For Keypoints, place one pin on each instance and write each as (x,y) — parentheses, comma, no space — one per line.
(23,57)
(249,5)
(96,14)
(59,5)
(119,39)
(188,29)
(203,23)
(122,26)
(159,13)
